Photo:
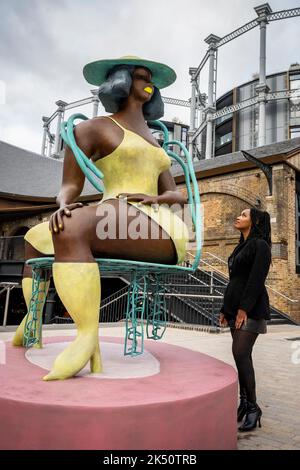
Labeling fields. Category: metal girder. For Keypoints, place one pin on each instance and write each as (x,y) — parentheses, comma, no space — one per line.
(283,14)
(266,169)
(276,95)
(82,102)
(235,107)
(176,101)
(283,94)
(238,32)
(295,107)
(198,131)
(203,62)
(201,97)
(277,15)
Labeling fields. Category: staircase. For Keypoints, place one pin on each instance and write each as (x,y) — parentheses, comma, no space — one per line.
(190,298)
(11,271)
(277,316)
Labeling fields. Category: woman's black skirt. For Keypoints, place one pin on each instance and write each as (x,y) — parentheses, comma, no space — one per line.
(255,326)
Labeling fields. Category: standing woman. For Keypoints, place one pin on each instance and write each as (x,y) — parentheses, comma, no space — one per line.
(246,304)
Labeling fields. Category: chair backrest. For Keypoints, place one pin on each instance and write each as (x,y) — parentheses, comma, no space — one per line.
(190,181)
(89,169)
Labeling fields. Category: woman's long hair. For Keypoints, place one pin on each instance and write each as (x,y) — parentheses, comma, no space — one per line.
(115,90)
(260,226)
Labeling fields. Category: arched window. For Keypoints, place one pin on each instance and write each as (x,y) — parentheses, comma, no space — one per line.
(13,247)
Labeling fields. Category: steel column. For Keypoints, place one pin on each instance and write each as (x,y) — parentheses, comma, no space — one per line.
(210,102)
(6,306)
(193,111)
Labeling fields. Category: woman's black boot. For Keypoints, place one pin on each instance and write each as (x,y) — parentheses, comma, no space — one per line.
(242,409)
(253,417)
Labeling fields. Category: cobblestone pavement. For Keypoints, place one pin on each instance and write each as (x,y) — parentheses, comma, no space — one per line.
(276,360)
(277,365)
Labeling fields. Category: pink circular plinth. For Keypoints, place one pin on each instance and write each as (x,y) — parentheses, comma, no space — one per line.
(190,403)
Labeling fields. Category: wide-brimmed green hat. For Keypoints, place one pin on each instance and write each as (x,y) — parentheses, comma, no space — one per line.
(96,72)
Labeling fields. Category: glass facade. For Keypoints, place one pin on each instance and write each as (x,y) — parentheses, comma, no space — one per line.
(282,115)
(295,132)
(224,139)
(223,118)
(184,134)
(295,102)
(295,81)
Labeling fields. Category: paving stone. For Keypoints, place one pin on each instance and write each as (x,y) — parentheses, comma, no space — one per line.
(277,378)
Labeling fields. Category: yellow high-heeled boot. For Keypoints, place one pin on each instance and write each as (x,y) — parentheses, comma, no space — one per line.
(78,286)
(27,291)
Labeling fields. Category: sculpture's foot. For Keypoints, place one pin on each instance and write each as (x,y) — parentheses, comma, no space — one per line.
(19,334)
(75,357)
(78,286)
(96,362)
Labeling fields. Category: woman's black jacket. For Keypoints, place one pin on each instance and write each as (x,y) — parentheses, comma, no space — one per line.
(248,267)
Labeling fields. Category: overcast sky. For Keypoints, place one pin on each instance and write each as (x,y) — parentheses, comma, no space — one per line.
(44,45)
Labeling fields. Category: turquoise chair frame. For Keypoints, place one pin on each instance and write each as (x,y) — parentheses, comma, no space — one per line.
(140,289)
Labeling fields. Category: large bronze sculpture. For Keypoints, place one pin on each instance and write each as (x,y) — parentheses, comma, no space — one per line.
(138,184)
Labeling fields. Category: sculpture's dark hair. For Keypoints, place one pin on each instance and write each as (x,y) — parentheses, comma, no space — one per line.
(114,91)
(260,226)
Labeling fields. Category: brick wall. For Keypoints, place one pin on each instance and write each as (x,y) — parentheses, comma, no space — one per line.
(224,197)
(8,228)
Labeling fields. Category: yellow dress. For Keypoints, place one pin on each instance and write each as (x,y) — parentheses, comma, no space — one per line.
(133,167)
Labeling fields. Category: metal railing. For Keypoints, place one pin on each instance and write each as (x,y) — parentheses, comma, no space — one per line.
(226,276)
(189,299)
(281,304)
(51,142)
(6,287)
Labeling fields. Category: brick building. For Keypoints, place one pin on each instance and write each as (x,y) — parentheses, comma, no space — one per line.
(230,183)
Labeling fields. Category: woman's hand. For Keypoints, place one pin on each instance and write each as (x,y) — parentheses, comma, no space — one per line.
(56,220)
(168,197)
(139,197)
(240,318)
(222,320)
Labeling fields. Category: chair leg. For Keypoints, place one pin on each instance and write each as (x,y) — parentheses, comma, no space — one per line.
(32,334)
(157,312)
(135,313)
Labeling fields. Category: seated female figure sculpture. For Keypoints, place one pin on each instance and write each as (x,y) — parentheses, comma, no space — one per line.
(136,177)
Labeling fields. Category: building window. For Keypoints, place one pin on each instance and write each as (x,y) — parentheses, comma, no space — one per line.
(295,102)
(184,136)
(224,118)
(295,131)
(295,81)
(223,139)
